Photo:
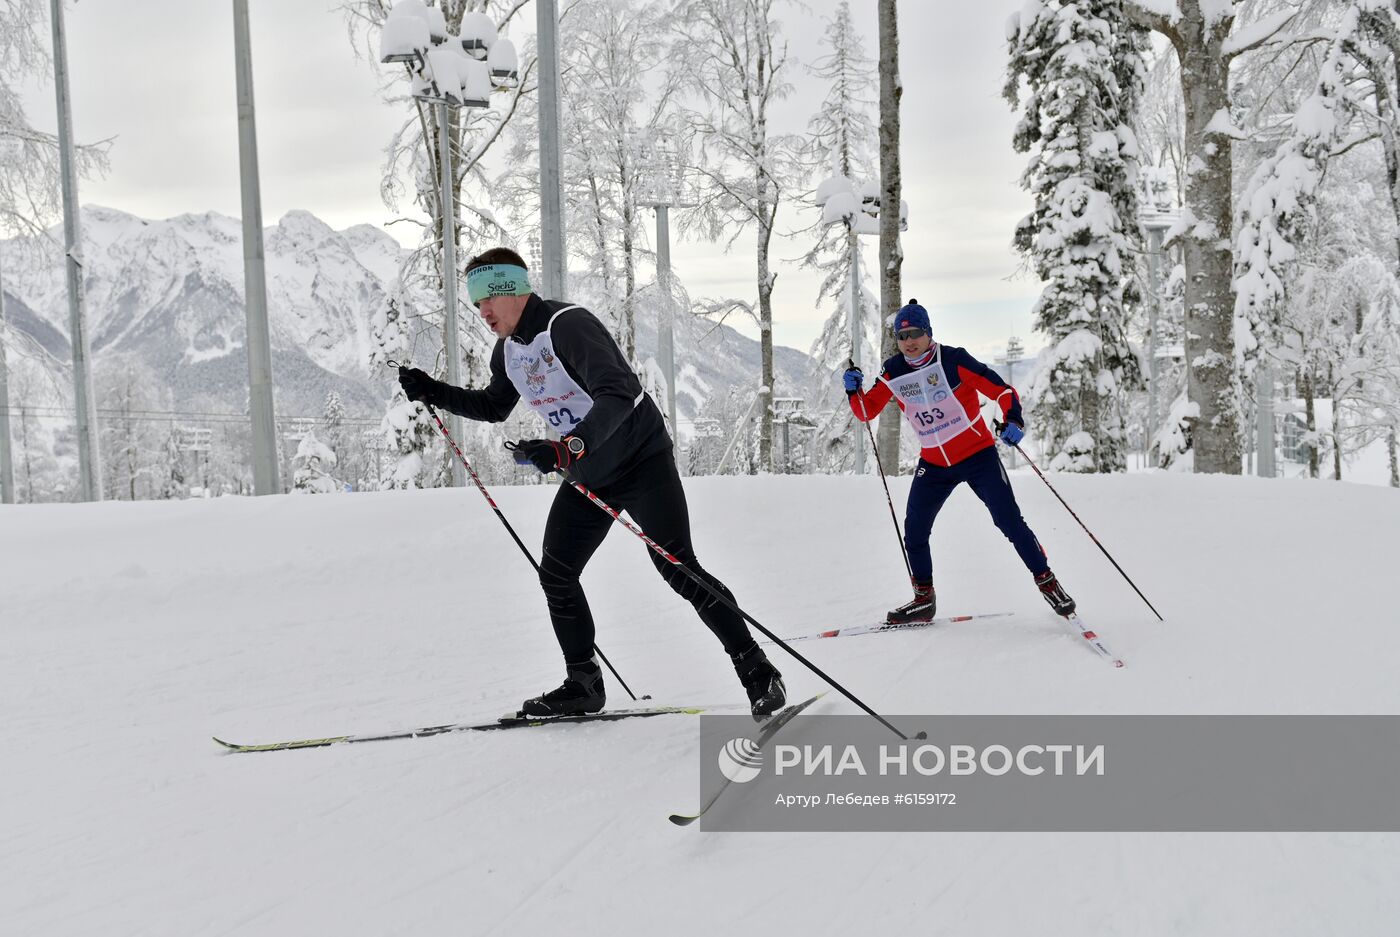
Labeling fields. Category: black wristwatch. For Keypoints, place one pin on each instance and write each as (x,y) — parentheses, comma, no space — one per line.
(575,446)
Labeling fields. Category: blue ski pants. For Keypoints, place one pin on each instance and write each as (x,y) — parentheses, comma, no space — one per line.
(985,475)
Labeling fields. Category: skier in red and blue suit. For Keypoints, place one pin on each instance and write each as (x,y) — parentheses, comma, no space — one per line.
(939,388)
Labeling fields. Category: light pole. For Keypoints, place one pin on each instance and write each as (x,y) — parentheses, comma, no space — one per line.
(260,392)
(553,262)
(9,150)
(1156,222)
(448,72)
(7,466)
(660,168)
(89,455)
(1015,351)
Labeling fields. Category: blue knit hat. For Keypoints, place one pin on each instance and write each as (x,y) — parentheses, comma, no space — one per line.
(912,316)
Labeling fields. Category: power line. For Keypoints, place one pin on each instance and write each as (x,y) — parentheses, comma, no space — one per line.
(167,416)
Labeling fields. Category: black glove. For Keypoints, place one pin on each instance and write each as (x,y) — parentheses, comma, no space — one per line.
(419,385)
(547,455)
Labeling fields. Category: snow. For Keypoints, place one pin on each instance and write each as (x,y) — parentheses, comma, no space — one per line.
(1163,8)
(478,31)
(312,448)
(838,207)
(403,35)
(1220,124)
(1255,33)
(503,58)
(1215,11)
(133,632)
(322,285)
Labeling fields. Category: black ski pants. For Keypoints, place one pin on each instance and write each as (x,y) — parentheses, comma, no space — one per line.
(651,493)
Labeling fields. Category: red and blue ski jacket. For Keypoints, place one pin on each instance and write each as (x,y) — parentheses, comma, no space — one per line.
(967,378)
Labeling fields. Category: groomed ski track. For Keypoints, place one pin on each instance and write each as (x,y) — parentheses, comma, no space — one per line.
(132,632)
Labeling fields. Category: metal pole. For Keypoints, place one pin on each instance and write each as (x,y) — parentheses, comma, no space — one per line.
(1154,305)
(665,338)
(859,444)
(7,467)
(265,474)
(1264,415)
(787,446)
(449,275)
(89,455)
(552,259)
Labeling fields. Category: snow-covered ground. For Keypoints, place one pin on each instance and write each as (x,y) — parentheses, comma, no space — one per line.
(134,632)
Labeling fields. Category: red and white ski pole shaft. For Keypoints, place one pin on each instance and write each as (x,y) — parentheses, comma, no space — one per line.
(725,601)
(1086,529)
(514,536)
(875,448)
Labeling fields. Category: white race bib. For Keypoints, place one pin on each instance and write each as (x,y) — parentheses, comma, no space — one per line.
(544,385)
(929,404)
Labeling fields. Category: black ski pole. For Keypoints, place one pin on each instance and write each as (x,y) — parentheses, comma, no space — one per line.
(1032,464)
(874,447)
(723,600)
(514,536)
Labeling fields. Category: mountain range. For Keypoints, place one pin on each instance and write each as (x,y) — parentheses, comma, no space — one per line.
(169,295)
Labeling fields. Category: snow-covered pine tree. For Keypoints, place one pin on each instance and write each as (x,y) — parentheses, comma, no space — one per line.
(1209,37)
(410,431)
(1083,68)
(172,469)
(333,425)
(130,445)
(1329,332)
(1277,206)
(842,136)
(1377,50)
(313,461)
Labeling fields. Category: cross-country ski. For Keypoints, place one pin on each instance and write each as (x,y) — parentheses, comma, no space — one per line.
(515,721)
(887,627)
(769,732)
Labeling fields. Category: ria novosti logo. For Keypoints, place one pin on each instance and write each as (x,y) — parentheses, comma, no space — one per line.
(740,760)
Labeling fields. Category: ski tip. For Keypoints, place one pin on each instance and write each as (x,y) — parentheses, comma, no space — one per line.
(226,744)
(681,819)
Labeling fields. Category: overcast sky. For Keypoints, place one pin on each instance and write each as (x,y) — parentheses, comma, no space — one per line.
(157,76)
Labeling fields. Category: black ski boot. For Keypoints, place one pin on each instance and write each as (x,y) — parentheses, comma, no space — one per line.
(917,611)
(1054,593)
(761,681)
(581,692)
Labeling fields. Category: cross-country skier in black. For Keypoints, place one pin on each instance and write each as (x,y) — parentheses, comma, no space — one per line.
(561,360)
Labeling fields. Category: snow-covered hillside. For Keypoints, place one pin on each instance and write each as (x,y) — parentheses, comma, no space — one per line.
(169,294)
(134,632)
